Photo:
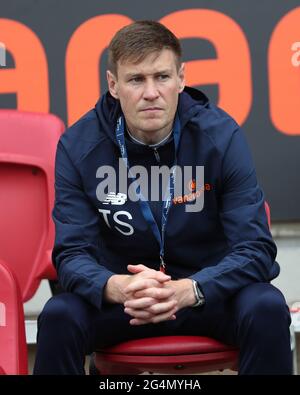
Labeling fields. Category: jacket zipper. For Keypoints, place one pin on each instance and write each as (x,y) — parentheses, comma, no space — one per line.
(157,157)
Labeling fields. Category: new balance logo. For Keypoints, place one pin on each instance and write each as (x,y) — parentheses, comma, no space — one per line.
(115,199)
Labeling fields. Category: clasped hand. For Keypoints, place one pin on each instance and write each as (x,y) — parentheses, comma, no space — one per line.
(151,296)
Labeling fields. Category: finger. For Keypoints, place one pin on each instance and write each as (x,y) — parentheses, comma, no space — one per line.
(161,308)
(139,284)
(142,314)
(148,272)
(139,321)
(137,268)
(140,303)
(163,317)
(161,311)
(162,277)
(155,293)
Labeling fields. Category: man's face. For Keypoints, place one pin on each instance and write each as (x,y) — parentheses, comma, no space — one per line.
(148,91)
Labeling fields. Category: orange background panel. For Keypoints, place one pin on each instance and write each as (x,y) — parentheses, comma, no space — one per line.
(29,79)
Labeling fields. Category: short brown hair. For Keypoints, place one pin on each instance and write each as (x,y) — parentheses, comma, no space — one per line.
(136,41)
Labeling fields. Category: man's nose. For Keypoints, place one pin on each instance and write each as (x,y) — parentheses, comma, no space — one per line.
(150,90)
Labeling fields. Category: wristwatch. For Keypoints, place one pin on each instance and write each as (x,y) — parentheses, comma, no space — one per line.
(200,299)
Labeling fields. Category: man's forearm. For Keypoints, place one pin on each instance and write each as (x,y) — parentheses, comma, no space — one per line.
(114,288)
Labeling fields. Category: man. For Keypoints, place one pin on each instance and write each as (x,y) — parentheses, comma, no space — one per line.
(134,267)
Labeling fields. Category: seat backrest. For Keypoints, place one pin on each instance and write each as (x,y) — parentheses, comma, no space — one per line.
(27,154)
(13,355)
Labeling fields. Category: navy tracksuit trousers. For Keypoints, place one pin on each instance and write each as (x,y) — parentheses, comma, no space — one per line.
(256,320)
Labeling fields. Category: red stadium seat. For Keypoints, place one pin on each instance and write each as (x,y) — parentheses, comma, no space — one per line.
(168,354)
(13,355)
(27,151)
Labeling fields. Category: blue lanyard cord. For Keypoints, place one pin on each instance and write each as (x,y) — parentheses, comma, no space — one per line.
(169,195)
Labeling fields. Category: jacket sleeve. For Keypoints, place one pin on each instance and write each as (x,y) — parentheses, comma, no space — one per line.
(252,252)
(77,238)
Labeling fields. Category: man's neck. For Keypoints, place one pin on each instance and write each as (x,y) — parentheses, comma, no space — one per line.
(150,138)
(153,145)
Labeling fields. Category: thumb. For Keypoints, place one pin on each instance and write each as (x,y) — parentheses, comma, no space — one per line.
(136,268)
(159,276)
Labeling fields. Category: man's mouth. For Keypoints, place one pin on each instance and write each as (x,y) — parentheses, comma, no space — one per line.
(150,109)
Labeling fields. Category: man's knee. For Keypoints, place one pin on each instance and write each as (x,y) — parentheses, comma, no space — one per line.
(263,306)
(62,311)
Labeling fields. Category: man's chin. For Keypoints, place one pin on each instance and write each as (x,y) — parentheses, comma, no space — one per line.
(152,125)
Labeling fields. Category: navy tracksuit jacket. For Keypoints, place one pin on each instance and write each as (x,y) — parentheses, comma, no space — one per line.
(225,246)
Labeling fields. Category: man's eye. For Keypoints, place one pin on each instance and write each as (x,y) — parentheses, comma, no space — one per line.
(163,77)
(136,79)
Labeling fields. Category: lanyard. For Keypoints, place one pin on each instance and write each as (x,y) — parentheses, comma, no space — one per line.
(169,195)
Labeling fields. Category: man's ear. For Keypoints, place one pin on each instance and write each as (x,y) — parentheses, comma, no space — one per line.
(181,77)
(112,83)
